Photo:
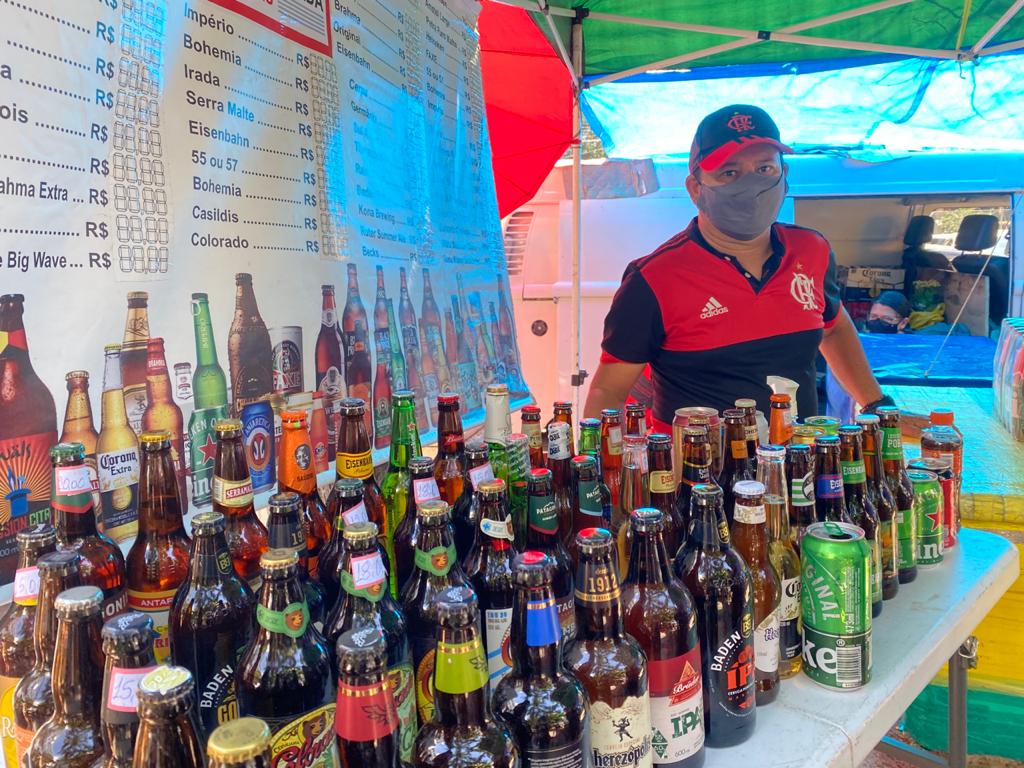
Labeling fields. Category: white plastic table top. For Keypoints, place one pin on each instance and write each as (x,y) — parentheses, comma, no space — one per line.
(809,725)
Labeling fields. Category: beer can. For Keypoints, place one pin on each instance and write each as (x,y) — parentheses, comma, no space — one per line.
(287,358)
(697,416)
(805,435)
(835,601)
(943,470)
(258,435)
(830,424)
(927,511)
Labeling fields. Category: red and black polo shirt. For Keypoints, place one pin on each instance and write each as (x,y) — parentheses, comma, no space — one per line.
(712,332)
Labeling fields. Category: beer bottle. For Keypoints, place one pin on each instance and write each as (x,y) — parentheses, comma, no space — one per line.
(469,384)
(28,427)
(242,743)
(518,474)
(78,424)
(738,461)
(749,408)
(158,561)
(450,467)
(354,460)
(33,696)
(367,719)
(405,445)
(72,738)
(17,629)
(723,592)
(117,455)
(295,473)
(542,535)
(658,613)
(250,356)
(780,422)
(128,645)
(611,451)
(507,333)
(885,504)
(590,445)
(101,563)
(620,709)
(771,473)
(364,601)
(544,706)
(662,490)
(232,497)
(903,492)
(209,384)
(488,568)
(382,376)
(168,735)
(399,371)
(286,531)
(436,567)
(329,362)
(859,506)
(562,414)
(355,330)
(161,410)
(501,363)
(497,428)
(461,733)
(284,677)
(636,419)
(634,495)
(800,481)
(466,509)
(696,470)
(430,323)
(426,391)
(829,500)
(750,538)
(560,453)
(530,424)
(211,622)
(584,498)
(423,488)
(348,496)
(134,357)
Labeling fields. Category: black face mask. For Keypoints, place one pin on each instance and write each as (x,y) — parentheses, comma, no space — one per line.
(880,326)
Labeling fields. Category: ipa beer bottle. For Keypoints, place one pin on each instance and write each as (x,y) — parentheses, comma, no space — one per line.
(610,664)
(466,509)
(134,358)
(544,706)
(232,497)
(542,535)
(211,622)
(161,410)
(128,645)
(78,424)
(210,390)
(168,736)
(242,743)
(461,733)
(157,563)
(405,445)
(859,506)
(355,460)
(250,357)
(902,491)
(723,592)
(117,455)
(488,567)
(286,531)
(367,718)
(423,488)
(750,538)
(295,473)
(101,562)
(355,331)
(829,500)
(72,737)
(658,612)
(530,424)
(800,481)
(284,677)
(738,462)
(382,377)
(881,496)
(329,357)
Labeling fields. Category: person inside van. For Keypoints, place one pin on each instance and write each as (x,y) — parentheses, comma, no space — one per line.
(890,313)
(736,296)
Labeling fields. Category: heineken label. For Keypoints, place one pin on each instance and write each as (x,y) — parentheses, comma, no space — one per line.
(306,741)
(232,493)
(892,444)
(460,667)
(590,498)
(677,707)
(292,621)
(497,622)
(400,679)
(542,514)
(621,736)
(801,490)
(437,561)
(906,531)
(203,452)
(837,661)
(853,472)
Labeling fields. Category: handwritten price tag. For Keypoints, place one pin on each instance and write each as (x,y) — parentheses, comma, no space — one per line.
(368,570)
(356,514)
(123,693)
(425,489)
(26,585)
(483,473)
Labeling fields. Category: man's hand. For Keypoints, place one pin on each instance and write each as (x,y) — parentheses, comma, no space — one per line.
(845,357)
(610,387)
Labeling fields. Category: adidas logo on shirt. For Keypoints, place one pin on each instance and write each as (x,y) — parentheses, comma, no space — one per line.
(712,308)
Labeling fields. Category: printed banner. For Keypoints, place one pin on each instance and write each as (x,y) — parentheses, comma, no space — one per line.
(257,200)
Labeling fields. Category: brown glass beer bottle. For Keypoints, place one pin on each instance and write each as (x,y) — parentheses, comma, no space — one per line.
(800,481)
(424,488)
(367,719)
(168,735)
(450,466)
(662,490)
(134,356)
(859,506)
(738,463)
(347,509)
(466,509)
(530,424)
(636,419)
(696,470)
(242,743)
(128,645)
(902,491)
(247,537)
(78,423)
(287,532)
(354,460)
(829,500)
(355,335)
(542,535)
(161,410)
(881,496)
(250,356)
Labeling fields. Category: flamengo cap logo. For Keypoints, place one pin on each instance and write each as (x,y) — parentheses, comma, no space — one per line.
(802,289)
(740,123)
(712,308)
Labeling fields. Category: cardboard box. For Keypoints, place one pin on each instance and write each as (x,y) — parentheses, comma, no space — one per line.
(874,280)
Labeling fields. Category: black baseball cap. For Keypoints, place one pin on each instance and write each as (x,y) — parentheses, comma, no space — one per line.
(730,129)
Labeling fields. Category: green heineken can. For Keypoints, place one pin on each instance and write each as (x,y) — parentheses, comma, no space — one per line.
(835,600)
(928,514)
(829,424)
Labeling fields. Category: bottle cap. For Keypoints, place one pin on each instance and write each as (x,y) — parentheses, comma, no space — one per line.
(611,413)
(781,397)
(433,512)
(867,418)
(771,451)
(289,501)
(60,564)
(707,494)
(562,405)
(734,414)
(825,442)
(421,464)
(517,439)
(540,475)
(239,741)
(851,430)
(355,533)
(130,632)
(225,426)
(349,486)
(155,440)
(166,687)
(797,448)
(361,651)
(207,524)
(590,423)
(745,402)
(476,449)
(110,348)
(79,602)
(448,399)
(67,452)
(243,277)
(530,411)
(593,540)
(532,569)
(695,432)
(352,406)
(136,295)
(748,489)
(456,607)
(497,390)
(76,375)
(659,440)
(580,463)
(37,536)
(403,396)
(279,559)
(492,488)
(293,419)
(646,519)
(942,417)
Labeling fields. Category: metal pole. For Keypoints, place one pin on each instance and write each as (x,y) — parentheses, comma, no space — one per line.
(994,29)
(966,657)
(576,50)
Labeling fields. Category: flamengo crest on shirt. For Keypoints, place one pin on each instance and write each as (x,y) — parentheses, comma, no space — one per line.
(712,308)
(802,289)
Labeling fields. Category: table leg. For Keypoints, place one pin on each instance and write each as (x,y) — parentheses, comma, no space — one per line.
(966,657)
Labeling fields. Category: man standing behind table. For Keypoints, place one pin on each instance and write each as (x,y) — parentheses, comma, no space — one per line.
(736,296)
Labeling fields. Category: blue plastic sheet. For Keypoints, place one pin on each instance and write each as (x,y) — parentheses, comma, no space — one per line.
(965,361)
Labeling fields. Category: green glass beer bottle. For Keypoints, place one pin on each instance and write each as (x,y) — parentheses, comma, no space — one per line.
(405,445)
(497,429)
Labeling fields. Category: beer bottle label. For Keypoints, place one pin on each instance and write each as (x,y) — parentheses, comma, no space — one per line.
(354,514)
(751,515)
(497,622)
(696,473)
(558,441)
(567,615)
(828,487)
(590,497)
(801,490)
(614,441)
(766,644)
(120,704)
(542,624)
(498,529)
(906,530)
(424,648)
(532,431)
(365,712)
(308,739)
(853,472)
(357,465)
(677,707)
(599,585)
(26,586)
(400,680)
(425,489)
(542,514)
(118,474)
(437,561)
(750,432)
(232,493)
(292,621)
(732,663)
(789,620)
(569,756)
(460,667)
(661,481)
(366,578)
(739,448)
(72,489)
(892,444)
(621,736)
(156,605)
(481,474)
(7,744)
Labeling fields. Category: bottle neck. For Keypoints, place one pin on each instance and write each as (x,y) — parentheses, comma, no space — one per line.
(281,595)
(74,513)
(450,435)
(736,455)
(210,563)
(696,463)
(404,436)
(536,627)
(159,506)
(74,686)
(704,530)
(78,415)
(206,349)
(494,530)
(646,565)
(328,311)
(44,631)
(597,599)
(460,679)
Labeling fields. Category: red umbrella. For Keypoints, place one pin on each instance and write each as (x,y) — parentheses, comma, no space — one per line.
(529,96)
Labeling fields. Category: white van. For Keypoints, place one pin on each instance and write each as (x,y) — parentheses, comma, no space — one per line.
(866,210)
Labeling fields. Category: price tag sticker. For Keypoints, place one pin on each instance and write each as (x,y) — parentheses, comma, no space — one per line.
(425,489)
(26,586)
(368,570)
(356,514)
(482,474)
(123,693)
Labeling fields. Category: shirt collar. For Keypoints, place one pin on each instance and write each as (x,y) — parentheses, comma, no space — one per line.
(771,266)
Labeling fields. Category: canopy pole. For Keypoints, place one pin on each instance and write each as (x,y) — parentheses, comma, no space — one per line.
(994,29)
(1014,45)
(576,50)
(545,9)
